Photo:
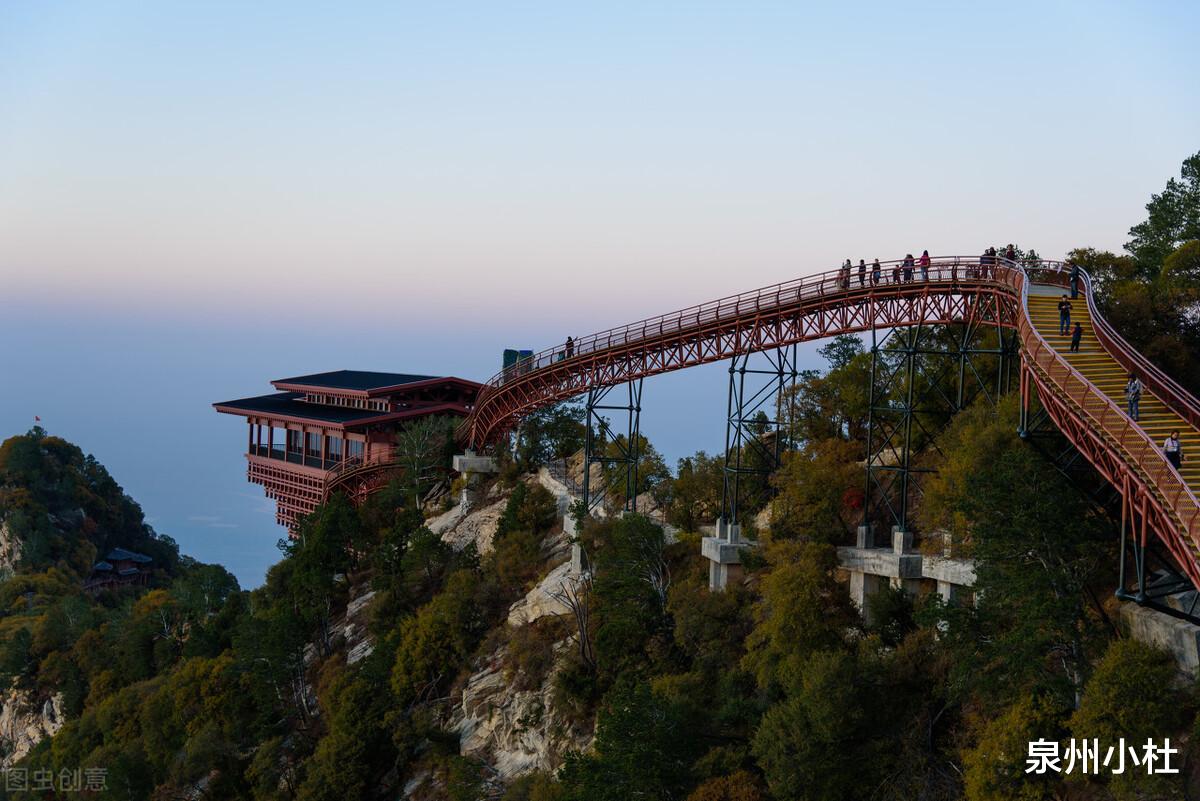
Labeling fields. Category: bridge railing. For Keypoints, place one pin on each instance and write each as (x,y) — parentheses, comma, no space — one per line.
(941,269)
(1108,419)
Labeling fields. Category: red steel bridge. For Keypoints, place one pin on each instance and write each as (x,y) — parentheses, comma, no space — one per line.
(1080,393)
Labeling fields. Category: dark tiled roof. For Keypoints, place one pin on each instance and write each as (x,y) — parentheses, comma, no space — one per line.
(360,380)
(292,404)
(101,566)
(122,555)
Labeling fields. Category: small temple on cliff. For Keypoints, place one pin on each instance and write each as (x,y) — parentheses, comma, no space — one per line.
(336,429)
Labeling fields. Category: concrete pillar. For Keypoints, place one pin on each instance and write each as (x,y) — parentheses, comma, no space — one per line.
(862,587)
(722,575)
(865,537)
(725,561)
(579,562)
(902,543)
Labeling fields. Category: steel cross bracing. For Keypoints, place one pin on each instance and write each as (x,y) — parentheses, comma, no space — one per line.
(754,439)
(616,453)
(812,308)
(921,376)
(1160,502)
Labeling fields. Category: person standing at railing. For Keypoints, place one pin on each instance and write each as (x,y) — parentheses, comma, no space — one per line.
(862,272)
(1133,395)
(844,275)
(1173,450)
(1064,316)
(1074,280)
(875,273)
(924,262)
(908,268)
(569,347)
(896,274)
(1076,337)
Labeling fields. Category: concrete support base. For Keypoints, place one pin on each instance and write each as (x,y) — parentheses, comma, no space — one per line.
(470,462)
(902,566)
(1179,637)
(725,561)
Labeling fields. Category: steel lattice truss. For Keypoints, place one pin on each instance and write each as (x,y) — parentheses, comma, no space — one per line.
(1156,499)
(774,317)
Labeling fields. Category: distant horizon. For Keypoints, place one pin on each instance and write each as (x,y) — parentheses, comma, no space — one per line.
(195,200)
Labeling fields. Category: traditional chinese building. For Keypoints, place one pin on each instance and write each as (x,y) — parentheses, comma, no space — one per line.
(120,568)
(337,429)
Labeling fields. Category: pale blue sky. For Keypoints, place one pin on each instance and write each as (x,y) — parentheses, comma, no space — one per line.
(198,197)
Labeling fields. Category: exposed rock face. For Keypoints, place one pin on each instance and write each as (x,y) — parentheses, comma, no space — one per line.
(540,601)
(460,527)
(515,731)
(10,551)
(24,723)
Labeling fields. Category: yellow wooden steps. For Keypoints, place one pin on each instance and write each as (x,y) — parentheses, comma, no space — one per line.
(1108,376)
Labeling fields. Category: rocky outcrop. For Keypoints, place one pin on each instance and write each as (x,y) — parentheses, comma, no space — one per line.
(541,600)
(25,722)
(516,731)
(462,526)
(10,551)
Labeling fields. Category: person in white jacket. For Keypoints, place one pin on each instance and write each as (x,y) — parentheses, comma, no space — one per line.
(1173,450)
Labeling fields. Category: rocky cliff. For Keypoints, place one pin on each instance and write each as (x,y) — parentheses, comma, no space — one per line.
(24,722)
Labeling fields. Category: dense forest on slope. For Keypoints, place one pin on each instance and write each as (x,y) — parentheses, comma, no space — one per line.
(186,686)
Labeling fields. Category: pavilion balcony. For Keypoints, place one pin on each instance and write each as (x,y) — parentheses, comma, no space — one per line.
(292,457)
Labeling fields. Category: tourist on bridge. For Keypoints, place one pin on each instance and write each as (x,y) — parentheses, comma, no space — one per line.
(1074,280)
(896,274)
(1076,336)
(1173,450)
(924,262)
(1133,395)
(862,272)
(908,268)
(1064,316)
(844,275)
(569,348)
(875,273)
(1010,253)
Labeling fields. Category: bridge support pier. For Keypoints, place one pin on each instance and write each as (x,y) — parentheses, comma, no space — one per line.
(605,447)
(757,431)
(921,376)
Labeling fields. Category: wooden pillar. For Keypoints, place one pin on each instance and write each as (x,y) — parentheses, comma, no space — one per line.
(324,441)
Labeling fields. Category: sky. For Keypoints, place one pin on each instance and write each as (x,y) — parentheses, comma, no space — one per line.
(197,198)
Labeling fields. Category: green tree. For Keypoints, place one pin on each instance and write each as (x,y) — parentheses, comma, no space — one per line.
(696,491)
(809,746)
(639,751)
(435,644)
(994,768)
(1173,216)
(550,433)
(804,609)
(1037,544)
(1131,698)
(422,446)
(819,491)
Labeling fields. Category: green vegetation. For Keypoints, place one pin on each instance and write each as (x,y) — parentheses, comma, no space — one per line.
(777,688)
